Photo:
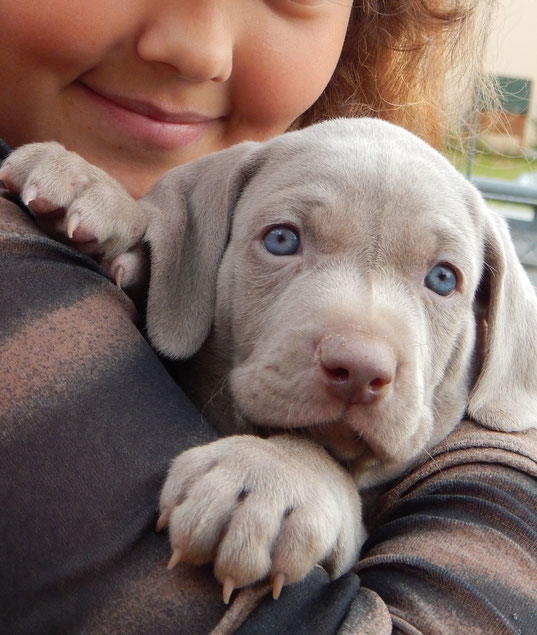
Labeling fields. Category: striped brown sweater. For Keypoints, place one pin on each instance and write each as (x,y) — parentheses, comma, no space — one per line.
(90,419)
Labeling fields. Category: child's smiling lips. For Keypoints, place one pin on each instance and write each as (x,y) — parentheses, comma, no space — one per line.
(149,122)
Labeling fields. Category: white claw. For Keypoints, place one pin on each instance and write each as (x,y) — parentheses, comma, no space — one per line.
(29,194)
(118,276)
(72,224)
(229,585)
(162,521)
(277,585)
(175,559)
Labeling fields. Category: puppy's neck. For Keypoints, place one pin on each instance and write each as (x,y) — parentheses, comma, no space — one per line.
(204,378)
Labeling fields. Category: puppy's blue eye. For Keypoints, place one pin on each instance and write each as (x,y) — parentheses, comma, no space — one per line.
(442,279)
(282,241)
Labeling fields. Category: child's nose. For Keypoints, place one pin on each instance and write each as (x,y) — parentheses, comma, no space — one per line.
(194,36)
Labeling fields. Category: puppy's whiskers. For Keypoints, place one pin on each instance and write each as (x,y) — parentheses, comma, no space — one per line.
(218,391)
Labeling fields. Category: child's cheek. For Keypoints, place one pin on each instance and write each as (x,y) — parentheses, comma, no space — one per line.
(58,35)
(280,85)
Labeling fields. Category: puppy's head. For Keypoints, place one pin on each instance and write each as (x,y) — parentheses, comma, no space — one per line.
(359,271)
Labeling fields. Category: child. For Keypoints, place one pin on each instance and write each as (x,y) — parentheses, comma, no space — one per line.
(90,417)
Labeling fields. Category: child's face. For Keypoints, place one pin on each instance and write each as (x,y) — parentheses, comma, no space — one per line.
(138,86)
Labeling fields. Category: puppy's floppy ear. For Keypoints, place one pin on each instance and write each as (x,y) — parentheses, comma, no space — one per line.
(504,396)
(189,215)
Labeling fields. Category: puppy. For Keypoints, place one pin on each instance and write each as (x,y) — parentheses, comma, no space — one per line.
(343,297)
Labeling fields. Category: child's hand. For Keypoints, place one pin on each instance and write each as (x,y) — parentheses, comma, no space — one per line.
(79,204)
(261,508)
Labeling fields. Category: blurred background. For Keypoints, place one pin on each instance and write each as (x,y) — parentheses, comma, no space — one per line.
(502,161)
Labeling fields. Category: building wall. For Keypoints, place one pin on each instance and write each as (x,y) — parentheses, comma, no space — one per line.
(512,51)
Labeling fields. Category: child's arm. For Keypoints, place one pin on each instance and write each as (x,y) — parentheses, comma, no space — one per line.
(89,423)
(452,549)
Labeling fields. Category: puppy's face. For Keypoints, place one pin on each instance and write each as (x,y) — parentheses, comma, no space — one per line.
(348,302)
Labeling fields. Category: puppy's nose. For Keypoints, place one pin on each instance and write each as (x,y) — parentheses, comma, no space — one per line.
(355,368)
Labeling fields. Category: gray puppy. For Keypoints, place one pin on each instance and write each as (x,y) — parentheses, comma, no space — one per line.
(343,295)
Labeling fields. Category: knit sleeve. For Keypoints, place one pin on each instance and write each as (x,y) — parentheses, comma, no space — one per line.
(89,422)
(452,549)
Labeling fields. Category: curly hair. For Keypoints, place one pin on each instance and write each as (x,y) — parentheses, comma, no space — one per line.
(415,63)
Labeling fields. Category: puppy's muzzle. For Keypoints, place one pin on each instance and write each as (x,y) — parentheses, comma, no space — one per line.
(356,368)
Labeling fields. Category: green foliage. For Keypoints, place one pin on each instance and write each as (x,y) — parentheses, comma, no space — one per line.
(492,165)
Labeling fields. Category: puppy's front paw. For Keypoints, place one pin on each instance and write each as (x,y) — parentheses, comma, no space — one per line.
(75,200)
(261,508)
